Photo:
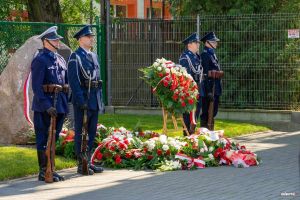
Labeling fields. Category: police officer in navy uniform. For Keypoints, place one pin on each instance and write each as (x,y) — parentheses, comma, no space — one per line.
(48,68)
(190,59)
(210,62)
(86,85)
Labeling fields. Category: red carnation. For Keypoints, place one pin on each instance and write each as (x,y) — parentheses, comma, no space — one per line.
(112,148)
(191,101)
(166,84)
(118,159)
(122,145)
(99,155)
(183,104)
(160,74)
(116,139)
(141,134)
(150,157)
(175,97)
(159,152)
(168,152)
(128,155)
(126,141)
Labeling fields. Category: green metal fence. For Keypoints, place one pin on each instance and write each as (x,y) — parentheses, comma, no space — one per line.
(14,34)
(261,64)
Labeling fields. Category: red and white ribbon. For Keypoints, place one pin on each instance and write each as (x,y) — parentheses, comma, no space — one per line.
(26,99)
(192,117)
(200,164)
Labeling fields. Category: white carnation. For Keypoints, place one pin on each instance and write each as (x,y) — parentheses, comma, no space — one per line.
(165,147)
(163,139)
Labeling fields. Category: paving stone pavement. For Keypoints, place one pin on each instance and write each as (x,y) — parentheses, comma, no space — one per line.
(276,178)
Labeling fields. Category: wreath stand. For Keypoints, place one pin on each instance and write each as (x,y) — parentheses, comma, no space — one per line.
(165,118)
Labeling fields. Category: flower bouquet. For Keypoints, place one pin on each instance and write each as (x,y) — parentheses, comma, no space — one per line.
(175,88)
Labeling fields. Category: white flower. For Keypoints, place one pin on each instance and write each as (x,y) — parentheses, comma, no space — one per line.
(202,150)
(155,64)
(176,164)
(173,70)
(211,148)
(163,139)
(150,144)
(165,147)
(211,156)
(164,65)
(167,70)
(122,129)
(159,68)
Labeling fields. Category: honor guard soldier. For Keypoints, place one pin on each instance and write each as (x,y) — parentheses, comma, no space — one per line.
(86,85)
(190,59)
(48,70)
(212,81)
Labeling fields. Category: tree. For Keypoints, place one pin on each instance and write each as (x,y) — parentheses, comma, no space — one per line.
(44,11)
(7,6)
(194,7)
(77,11)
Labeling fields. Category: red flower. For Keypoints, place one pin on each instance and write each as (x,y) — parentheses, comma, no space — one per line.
(219,153)
(150,157)
(198,96)
(165,83)
(168,152)
(126,141)
(122,145)
(99,155)
(174,85)
(145,149)
(159,152)
(175,97)
(191,101)
(183,104)
(118,159)
(128,155)
(160,74)
(112,148)
(116,139)
(141,134)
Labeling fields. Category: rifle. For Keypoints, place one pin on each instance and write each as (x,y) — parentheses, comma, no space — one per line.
(84,156)
(210,121)
(85,170)
(50,151)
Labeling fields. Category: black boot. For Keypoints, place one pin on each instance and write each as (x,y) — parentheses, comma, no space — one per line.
(57,176)
(42,164)
(93,167)
(203,124)
(79,169)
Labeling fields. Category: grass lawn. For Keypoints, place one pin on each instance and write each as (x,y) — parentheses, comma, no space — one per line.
(154,122)
(19,161)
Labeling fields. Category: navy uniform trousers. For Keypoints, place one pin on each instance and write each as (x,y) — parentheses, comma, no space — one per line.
(41,127)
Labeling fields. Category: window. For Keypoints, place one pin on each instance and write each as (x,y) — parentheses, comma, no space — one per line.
(119,11)
(156,13)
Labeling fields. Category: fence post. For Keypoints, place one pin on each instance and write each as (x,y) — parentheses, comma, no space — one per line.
(108,53)
(198,24)
(102,54)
